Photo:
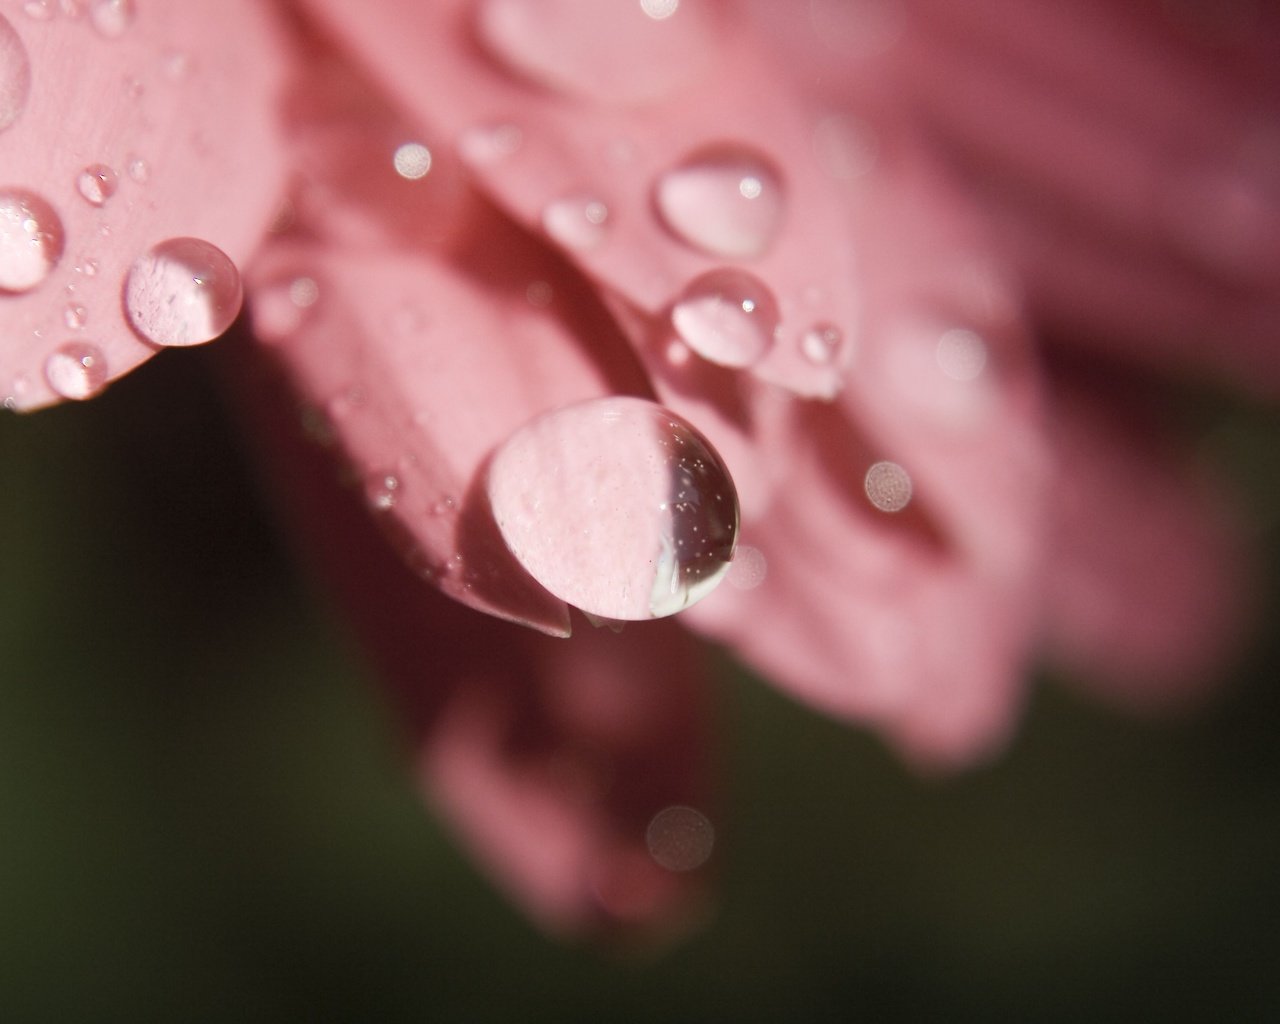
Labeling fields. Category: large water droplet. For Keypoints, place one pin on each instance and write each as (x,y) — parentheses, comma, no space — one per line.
(15,74)
(577,222)
(611,51)
(31,240)
(111,17)
(97,183)
(617,506)
(726,200)
(76,370)
(183,291)
(888,487)
(680,838)
(728,317)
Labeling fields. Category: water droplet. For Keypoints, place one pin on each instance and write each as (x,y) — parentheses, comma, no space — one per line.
(726,200)
(577,222)
(412,160)
(382,491)
(659,10)
(482,145)
(75,316)
(111,17)
(39,10)
(139,170)
(609,51)
(820,344)
(183,291)
(71,8)
(888,487)
(15,74)
(177,65)
(962,354)
(728,317)
(680,838)
(444,506)
(281,307)
(76,370)
(31,240)
(97,183)
(617,506)
(88,267)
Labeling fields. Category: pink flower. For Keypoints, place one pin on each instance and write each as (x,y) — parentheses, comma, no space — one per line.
(915,269)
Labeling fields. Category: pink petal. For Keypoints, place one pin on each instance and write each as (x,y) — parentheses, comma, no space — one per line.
(1147,586)
(551,758)
(547,154)
(133,131)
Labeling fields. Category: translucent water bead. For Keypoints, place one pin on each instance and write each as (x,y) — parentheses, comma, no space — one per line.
(617,506)
(183,291)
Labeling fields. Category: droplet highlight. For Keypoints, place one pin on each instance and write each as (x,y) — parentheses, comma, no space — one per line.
(680,838)
(577,222)
(15,74)
(31,240)
(184,291)
(97,183)
(726,201)
(888,487)
(728,317)
(76,370)
(617,506)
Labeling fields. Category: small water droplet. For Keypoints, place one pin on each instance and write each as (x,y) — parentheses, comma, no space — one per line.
(728,317)
(617,506)
(962,354)
(820,344)
(382,490)
(444,506)
(177,65)
(577,222)
(412,160)
(75,316)
(88,267)
(97,183)
(39,10)
(31,240)
(111,18)
(183,291)
(726,200)
(888,487)
(482,145)
(76,370)
(15,74)
(280,308)
(71,8)
(139,170)
(680,838)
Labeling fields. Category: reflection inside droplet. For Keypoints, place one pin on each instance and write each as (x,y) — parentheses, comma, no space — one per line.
(183,291)
(680,838)
(728,317)
(617,506)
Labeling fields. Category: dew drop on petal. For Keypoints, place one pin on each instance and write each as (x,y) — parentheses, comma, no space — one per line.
(577,222)
(15,74)
(726,200)
(617,506)
(680,838)
(97,183)
(39,10)
(820,344)
(412,161)
(75,316)
(139,170)
(183,291)
(76,370)
(728,317)
(111,18)
(888,487)
(962,354)
(31,240)
(382,490)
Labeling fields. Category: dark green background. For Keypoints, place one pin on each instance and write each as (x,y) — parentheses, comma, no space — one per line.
(202,817)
